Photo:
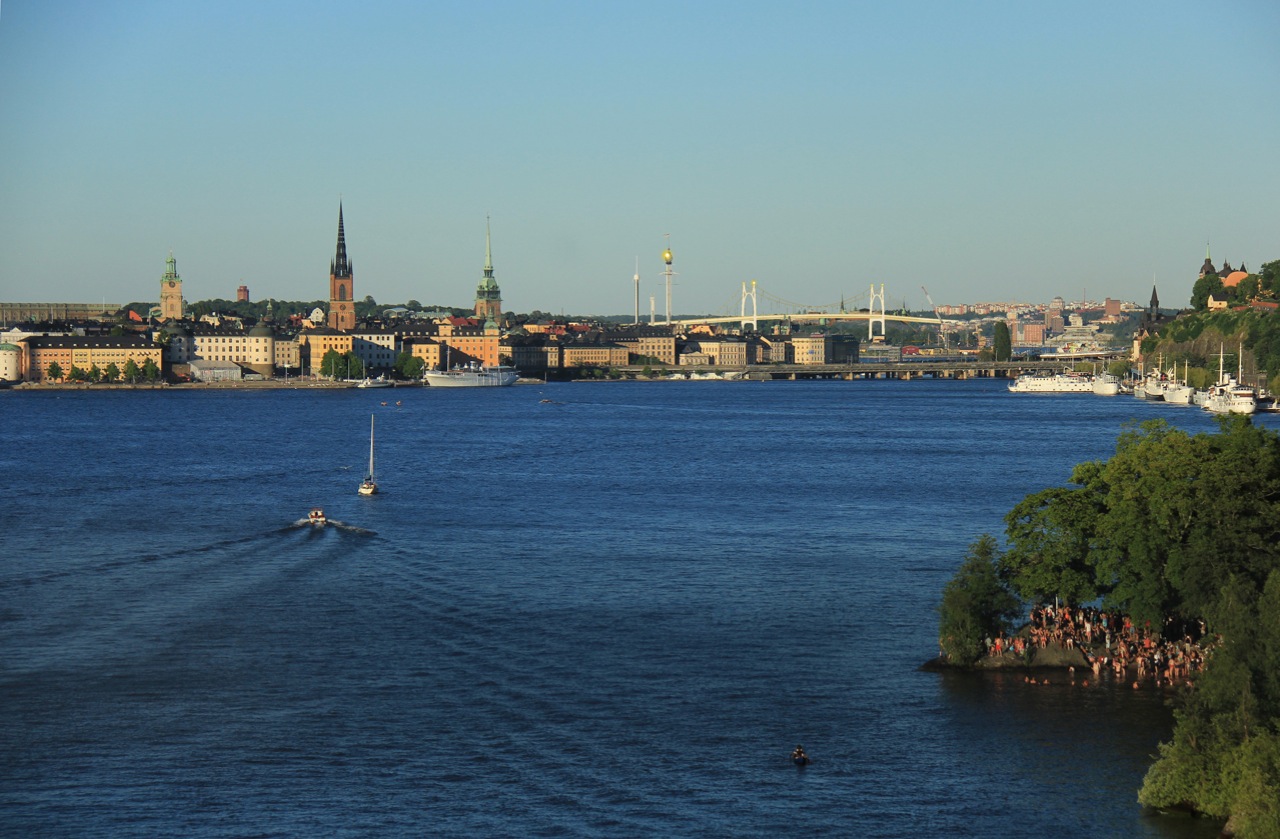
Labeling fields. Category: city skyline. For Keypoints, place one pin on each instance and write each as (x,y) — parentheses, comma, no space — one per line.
(986,152)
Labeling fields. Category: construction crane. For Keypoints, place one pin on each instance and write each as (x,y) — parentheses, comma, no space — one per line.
(942,329)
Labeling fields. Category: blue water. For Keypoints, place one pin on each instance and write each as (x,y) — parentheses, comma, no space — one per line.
(613,614)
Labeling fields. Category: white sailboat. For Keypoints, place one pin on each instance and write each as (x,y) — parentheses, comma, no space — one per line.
(369,486)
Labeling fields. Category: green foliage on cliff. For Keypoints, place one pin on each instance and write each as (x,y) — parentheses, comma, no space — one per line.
(975,605)
(1183,525)
(1157,529)
(1224,759)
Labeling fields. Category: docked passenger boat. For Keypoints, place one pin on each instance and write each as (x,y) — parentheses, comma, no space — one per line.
(1229,396)
(472,375)
(381,381)
(1105,384)
(1058,383)
(317,517)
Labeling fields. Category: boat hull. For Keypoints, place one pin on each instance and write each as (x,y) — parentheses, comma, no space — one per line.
(1061,383)
(472,377)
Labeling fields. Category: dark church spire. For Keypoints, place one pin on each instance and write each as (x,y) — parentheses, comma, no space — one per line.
(341,266)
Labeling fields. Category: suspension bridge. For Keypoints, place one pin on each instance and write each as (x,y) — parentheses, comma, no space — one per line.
(874,313)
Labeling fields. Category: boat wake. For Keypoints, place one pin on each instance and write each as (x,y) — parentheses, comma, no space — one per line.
(331,523)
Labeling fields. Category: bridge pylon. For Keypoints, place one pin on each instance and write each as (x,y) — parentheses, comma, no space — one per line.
(755,326)
(871,308)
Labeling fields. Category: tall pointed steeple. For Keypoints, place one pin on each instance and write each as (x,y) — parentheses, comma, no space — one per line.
(341,266)
(342,281)
(488,295)
(488,251)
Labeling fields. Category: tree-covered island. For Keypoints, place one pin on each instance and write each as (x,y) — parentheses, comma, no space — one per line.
(1171,547)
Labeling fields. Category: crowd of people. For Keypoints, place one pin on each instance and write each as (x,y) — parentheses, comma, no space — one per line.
(1113,643)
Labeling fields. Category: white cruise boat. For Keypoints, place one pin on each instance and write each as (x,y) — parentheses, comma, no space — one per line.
(1105,384)
(472,375)
(1058,383)
(1228,396)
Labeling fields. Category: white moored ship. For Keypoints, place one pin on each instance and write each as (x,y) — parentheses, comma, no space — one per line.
(472,375)
(1058,383)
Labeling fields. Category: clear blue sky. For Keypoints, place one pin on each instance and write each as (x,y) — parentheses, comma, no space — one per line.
(986,150)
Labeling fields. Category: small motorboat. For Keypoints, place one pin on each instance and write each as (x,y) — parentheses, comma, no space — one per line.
(317,517)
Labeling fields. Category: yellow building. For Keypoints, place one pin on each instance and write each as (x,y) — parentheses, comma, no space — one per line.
(314,343)
(467,343)
(595,355)
(811,349)
(85,352)
(427,349)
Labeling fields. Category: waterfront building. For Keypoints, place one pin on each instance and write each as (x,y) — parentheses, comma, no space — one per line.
(315,343)
(342,306)
(377,347)
(288,354)
(594,353)
(10,362)
(811,349)
(85,352)
(720,350)
(171,302)
(14,313)
(488,296)
(541,351)
(429,350)
(775,349)
(648,344)
(208,370)
(175,337)
(468,341)
(253,348)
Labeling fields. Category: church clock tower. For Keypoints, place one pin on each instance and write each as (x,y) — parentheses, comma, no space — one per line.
(171,291)
(488,295)
(342,305)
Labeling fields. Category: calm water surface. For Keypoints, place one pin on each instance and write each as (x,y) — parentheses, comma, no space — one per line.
(613,614)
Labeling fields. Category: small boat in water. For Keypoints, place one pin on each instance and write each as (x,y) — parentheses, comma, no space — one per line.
(317,517)
(369,486)
(381,381)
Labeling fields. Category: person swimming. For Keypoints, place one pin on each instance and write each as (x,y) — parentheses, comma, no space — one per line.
(799,757)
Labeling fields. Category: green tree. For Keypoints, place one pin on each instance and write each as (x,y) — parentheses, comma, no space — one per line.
(131,371)
(110,374)
(1209,284)
(975,605)
(330,363)
(1118,368)
(354,366)
(150,370)
(1050,542)
(54,373)
(1269,277)
(409,365)
(94,375)
(77,375)
(1002,342)
(1224,758)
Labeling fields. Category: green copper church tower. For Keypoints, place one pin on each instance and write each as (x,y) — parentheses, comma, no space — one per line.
(488,296)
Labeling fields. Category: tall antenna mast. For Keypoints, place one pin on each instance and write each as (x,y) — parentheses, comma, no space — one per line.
(668,273)
(636,280)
